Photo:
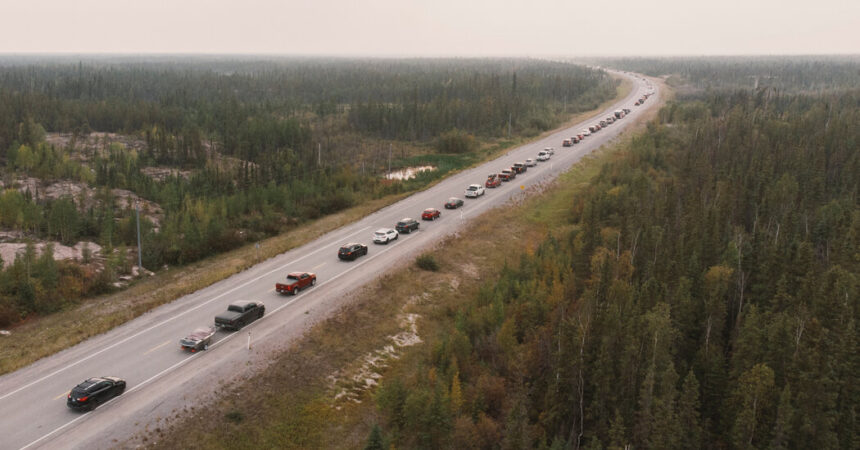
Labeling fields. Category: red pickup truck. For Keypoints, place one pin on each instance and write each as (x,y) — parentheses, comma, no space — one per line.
(295,282)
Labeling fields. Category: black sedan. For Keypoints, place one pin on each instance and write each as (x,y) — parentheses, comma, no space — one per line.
(454,203)
(95,391)
(352,251)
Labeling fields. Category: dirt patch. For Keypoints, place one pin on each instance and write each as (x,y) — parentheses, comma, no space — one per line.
(9,250)
(163,173)
(84,147)
(351,382)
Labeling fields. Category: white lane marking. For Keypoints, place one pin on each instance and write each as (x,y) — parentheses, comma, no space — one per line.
(215,344)
(65,394)
(156,347)
(172,318)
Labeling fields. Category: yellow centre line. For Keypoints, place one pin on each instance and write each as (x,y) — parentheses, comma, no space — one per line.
(317,267)
(157,347)
(65,394)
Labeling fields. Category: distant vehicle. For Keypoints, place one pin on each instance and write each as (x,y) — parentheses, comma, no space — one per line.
(626,110)
(507,174)
(474,191)
(407,225)
(619,113)
(239,314)
(567,143)
(586,132)
(602,123)
(493,181)
(530,163)
(384,236)
(593,129)
(575,139)
(199,339)
(352,251)
(519,167)
(295,282)
(550,150)
(91,393)
(454,203)
(431,214)
(543,156)
(637,103)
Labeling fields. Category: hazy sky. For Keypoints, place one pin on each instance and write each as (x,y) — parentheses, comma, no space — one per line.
(432,27)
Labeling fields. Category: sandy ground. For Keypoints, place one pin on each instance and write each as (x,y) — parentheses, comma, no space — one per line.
(61,252)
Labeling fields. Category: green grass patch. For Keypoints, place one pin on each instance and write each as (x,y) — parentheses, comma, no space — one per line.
(311,418)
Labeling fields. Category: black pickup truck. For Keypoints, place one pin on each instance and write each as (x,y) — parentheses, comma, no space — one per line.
(239,314)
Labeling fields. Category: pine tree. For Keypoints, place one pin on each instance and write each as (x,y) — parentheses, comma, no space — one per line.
(374,441)
(784,414)
(688,413)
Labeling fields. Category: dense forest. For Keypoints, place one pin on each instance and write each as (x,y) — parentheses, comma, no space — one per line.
(811,74)
(256,147)
(707,297)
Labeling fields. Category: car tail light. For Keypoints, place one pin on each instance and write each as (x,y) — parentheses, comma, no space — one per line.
(83,399)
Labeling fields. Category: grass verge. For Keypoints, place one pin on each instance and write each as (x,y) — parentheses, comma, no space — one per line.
(43,336)
(301,403)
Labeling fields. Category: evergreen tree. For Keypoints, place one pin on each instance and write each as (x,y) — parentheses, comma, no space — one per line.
(374,441)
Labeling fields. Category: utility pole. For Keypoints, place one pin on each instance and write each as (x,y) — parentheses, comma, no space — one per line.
(139,252)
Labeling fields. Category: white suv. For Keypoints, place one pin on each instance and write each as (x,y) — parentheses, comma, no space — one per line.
(474,190)
(543,156)
(384,236)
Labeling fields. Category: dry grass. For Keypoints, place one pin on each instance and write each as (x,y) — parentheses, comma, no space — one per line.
(298,409)
(44,336)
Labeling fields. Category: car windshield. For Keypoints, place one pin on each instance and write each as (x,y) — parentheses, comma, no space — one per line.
(472,188)
(379,233)
(292,277)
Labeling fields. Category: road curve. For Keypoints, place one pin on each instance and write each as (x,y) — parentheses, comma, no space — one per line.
(163,380)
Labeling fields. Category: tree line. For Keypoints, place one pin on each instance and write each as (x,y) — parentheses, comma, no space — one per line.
(707,297)
(248,134)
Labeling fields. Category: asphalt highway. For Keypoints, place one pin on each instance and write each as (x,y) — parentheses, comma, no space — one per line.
(162,379)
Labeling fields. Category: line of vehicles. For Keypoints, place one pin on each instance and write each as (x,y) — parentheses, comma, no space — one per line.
(618,114)
(95,391)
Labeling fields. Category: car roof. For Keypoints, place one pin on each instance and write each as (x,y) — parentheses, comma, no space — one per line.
(296,274)
(384,230)
(88,384)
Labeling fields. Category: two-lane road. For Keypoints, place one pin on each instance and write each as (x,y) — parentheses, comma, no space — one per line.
(162,378)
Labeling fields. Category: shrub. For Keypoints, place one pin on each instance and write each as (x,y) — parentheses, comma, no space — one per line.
(427,262)
(456,141)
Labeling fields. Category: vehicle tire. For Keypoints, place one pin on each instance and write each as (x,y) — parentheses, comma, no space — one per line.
(205,346)
(296,290)
(314,282)
(387,241)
